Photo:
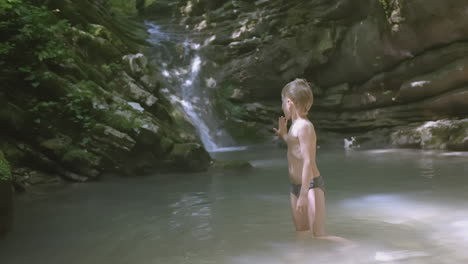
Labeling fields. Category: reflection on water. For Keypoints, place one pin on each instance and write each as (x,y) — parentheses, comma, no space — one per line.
(398,206)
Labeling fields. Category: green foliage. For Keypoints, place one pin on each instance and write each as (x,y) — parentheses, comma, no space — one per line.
(110,70)
(75,107)
(31,36)
(128,6)
(125,6)
(7,5)
(5,170)
(387,7)
(222,101)
(79,104)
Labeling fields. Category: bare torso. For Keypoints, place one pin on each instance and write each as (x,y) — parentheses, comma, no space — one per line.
(295,157)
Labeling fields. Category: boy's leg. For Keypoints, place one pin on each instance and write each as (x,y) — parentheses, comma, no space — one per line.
(300,220)
(317,217)
(316,211)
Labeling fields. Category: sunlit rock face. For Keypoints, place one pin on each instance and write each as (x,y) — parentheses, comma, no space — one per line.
(375,64)
(96,108)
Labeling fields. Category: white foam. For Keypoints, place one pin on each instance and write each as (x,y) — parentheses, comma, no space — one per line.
(227,149)
(419,84)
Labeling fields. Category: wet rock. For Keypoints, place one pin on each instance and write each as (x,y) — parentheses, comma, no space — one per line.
(378,63)
(136,63)
(25,177)
(189,157)
(237,95)
(83,162)
(112,145)
(448,77)
(135,92)
(442,134)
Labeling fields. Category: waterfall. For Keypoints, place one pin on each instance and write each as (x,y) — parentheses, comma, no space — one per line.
(181,71)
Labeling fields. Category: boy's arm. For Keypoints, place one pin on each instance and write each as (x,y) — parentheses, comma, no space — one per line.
(307,141)
(282,129)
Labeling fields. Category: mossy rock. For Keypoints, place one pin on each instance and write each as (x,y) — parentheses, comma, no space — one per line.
(442,134)
(166,145)
(244,132)
(232,164)
(123,119)
(189,157)
(82,161)
(58,145)
(81,157)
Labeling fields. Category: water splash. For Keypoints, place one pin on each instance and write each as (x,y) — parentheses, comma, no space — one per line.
(182,75)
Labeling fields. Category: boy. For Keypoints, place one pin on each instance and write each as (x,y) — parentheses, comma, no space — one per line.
(307,185)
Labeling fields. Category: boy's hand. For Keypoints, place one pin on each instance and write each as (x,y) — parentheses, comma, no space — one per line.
(282,127)
(302,203)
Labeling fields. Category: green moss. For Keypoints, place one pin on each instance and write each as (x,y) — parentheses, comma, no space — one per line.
(129,6)
(166,145)
(439,138)
(245,132)
(58,145)
(123,118)
(458,135)
(5,170)
(81,157)
(224,106)
(121,122)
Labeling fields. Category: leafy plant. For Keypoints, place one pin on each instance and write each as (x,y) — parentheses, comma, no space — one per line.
(75,107)
(31,36)
(5,170)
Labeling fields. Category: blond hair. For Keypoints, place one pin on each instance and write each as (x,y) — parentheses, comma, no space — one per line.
(300,93)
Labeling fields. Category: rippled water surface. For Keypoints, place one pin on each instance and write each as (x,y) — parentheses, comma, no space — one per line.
(398,206)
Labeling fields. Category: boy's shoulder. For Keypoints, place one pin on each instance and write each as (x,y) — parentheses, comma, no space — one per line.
(305,125)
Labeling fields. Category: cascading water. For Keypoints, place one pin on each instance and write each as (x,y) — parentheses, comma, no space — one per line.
(177,55)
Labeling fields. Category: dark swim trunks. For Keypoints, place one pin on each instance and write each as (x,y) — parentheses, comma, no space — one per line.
(316,182)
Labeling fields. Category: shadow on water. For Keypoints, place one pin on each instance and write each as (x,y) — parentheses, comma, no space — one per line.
(398,206)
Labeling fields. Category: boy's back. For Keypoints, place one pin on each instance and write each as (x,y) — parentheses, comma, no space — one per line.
(295,149)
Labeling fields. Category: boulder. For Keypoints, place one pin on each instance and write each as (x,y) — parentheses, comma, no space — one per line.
(189,157)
